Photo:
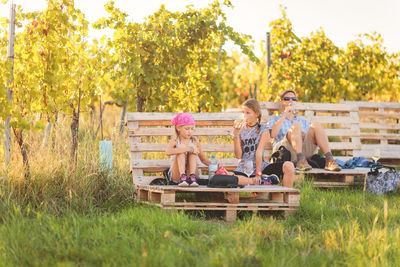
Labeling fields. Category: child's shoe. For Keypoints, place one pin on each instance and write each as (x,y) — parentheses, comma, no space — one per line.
(193,180)
(269,179)
(183,180)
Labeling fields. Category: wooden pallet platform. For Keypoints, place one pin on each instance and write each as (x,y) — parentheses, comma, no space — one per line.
(330,179)
(264,198)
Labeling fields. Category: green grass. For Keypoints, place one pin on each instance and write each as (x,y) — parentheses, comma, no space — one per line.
(332,228)
(88,218)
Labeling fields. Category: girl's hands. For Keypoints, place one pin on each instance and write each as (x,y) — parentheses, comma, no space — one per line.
(238,126)
(257,179)
(193,148)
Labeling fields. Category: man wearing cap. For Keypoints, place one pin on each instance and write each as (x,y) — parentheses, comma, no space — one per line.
(299,136)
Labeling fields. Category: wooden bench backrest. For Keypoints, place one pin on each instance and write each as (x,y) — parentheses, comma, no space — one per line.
(379,128)
(213,129)
(149,134)
(340,121)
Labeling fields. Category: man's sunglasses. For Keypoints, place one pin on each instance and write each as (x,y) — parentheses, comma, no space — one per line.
(286,98)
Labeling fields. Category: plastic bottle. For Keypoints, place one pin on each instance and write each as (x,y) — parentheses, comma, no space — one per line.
(212,168)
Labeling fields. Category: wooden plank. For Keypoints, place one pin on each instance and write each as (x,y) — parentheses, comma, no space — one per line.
(165,163)
(335,119)
(166,116)
(387,151)
(167,197)
(220,132)
(230,215)
(203,188)
(378,126)
(329,107)
(348,179)
(135,156)
(149,147)
(344,145)
(335,184)
(388,147)
(380,136)
(171,132)
(356,171)
(198,123)
(280,207)
(364,104)
(291,198)
(238,206)
(232,197)
(144,180)
(342,132)
(380,115)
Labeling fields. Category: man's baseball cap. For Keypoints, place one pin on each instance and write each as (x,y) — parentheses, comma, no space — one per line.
(287,91)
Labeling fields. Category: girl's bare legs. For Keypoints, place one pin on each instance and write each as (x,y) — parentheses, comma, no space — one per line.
(178,167)
(192,164)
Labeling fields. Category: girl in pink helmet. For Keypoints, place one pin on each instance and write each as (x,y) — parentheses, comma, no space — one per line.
(185,149)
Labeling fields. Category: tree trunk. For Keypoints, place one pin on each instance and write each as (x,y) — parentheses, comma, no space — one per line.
(92,116)
(121,126)
(140,103)
(20,140)
(100,125)
(54,128)
(74,132)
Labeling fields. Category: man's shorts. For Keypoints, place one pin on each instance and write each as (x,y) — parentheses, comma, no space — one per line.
(309,148)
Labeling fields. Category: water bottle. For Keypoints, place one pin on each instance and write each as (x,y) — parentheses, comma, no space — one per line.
(212,168)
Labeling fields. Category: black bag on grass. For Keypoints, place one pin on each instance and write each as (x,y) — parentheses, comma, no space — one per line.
(224,181)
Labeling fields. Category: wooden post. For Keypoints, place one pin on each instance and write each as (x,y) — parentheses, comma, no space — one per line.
(123,114)
(268,46)
(10,56)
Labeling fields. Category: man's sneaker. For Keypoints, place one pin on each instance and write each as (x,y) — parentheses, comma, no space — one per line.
(193,180)
(269,179)
(183,180)
(332,165)
(302,165)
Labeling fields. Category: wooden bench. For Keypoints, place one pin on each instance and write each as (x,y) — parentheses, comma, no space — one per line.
(342,126)
(149,134)
(354,129)
(379,129)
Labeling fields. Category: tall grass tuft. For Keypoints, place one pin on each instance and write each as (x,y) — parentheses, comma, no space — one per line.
(54,186)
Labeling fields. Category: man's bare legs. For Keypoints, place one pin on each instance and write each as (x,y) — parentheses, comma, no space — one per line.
(295,138)
(317,134)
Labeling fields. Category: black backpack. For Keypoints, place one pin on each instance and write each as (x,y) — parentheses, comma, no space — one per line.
(281,155)
(224,181)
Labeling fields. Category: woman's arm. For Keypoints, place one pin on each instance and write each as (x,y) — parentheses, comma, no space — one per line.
(173,150)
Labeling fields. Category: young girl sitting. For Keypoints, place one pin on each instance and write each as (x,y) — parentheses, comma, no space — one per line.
(184,150)
(250,138)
